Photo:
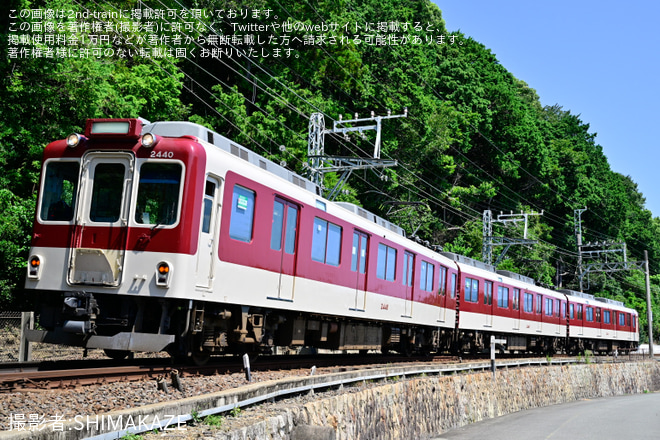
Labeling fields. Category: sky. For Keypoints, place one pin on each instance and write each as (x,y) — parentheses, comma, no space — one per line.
(597,59)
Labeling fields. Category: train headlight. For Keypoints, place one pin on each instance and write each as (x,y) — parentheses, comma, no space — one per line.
(74,139)
(149,140)
(34,267)
(163,274)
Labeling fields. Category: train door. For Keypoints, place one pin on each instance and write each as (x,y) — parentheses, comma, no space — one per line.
(516,308)
(539,313)
(101,219)
(580,318)
(408,282)
(488,302)
(208,232)
(284,238)
(359,260)
(443,291)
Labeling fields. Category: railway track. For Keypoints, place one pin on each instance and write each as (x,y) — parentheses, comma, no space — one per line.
(68,374)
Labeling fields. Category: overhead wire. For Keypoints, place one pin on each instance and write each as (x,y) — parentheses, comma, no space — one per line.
(307,102)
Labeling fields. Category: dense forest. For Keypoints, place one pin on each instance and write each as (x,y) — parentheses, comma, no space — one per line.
(476,138)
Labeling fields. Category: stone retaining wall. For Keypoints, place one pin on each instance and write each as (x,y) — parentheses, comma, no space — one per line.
(424,407)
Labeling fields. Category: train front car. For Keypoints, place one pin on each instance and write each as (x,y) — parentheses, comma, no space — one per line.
(110,234)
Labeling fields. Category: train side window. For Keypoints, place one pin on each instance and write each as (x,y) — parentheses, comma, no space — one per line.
(539,304)
(276,228)
(562,312)
(58,197)
(426,278)
(279,228)
(516,299)
(242,214)
(488,293)
(442,289)
(359,253)
(158,194)
(579,312)
(209,194)
(386,265)
(408,267)
(471,290)
(549,304)
(503,297)
(606,317)
(590,314)
(571,311)
(598,313)
(529,303)
(290,229)
(326,242)
(454,282)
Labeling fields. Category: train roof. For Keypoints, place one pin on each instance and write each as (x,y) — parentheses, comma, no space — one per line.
(592,299)
(184,128)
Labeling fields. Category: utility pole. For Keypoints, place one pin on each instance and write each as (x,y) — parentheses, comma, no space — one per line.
(649,311)
(319,163)
(596,250)
(585,269)
(577,224)
(489,241)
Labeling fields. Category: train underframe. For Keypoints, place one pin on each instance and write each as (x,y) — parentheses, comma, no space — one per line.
(198,330)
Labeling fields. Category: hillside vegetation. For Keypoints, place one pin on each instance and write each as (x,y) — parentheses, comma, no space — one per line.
(476,138)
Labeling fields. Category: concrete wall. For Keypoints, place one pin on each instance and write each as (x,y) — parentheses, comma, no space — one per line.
(425,407)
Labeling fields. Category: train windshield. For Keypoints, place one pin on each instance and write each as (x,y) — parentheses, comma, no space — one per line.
(107,192)
(158,193)
(58,197)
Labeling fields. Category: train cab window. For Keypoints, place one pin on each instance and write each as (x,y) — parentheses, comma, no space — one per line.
(107,192)
(454,283)
(158,194)
(426,278)
(503,297)
(471,290)
(242,214)
(58,197)
(516,299)
(488,293)
(634,322)
(529,303)
(386,264)
(326,242)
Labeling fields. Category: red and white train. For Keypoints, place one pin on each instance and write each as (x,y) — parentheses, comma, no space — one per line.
(169,236)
